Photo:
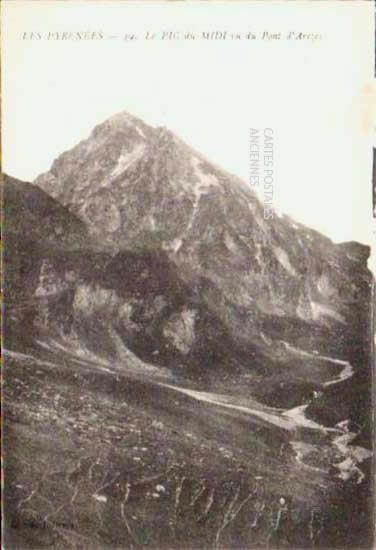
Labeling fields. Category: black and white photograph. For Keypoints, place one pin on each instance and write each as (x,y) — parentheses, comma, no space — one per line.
(188,312)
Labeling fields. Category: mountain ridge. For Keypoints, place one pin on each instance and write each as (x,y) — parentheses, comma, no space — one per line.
(164,192)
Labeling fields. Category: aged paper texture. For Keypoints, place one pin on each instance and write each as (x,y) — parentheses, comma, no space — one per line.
(188,290)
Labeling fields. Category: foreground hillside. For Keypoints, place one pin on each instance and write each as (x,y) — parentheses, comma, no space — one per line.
(102,460)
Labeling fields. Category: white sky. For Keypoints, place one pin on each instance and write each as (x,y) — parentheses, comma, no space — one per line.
(316,96)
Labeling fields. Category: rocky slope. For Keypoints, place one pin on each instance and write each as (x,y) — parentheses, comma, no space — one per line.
(34,225)
(96,460)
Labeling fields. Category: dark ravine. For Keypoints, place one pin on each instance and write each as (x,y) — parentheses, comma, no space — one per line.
(144,288)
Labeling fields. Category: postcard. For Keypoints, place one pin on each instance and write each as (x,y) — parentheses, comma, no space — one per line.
(189,274)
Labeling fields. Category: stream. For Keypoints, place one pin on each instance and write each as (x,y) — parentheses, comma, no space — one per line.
(336,445)
(345,457)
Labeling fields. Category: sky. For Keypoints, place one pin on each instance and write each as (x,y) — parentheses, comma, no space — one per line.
(316,95)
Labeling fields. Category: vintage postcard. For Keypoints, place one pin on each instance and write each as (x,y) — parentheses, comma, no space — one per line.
(189,275)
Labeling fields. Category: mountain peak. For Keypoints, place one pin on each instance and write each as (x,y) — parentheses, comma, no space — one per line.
(125,118)
(122,123)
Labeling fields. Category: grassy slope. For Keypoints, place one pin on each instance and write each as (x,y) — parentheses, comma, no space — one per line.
(72,434)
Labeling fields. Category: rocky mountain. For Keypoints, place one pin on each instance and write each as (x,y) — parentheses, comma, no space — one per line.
(147,273)
(136,186)
(268,282)
(153,248)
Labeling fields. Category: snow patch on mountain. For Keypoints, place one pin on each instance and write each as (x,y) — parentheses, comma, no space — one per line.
(125,160)
(284,260)
(323,310)
(173,246)
(204,181)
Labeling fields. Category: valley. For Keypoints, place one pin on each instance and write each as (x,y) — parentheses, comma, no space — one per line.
(105,462)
